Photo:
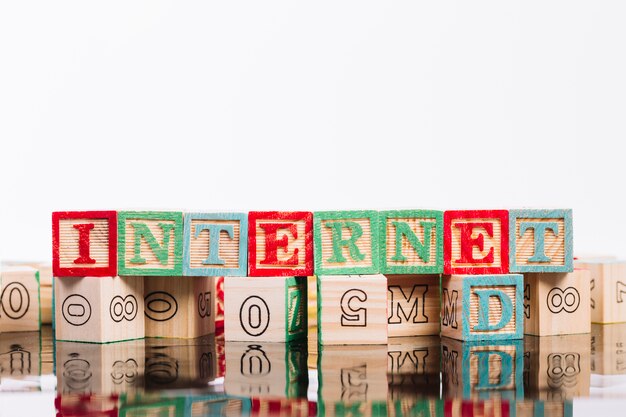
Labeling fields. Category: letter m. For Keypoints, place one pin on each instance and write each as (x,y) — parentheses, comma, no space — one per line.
(449,308)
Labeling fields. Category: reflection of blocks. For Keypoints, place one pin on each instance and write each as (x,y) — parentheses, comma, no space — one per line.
(268,309)
(216,244)
(557,303)
(150,243)
(488,407)
(413,365)
(159,407)
(482,307)
(280,243)
(19,299)
(217,405)
(181,307)
(482,369)
(539,408)
(351,309)
(476,242)
(346,242)
(267,370)
(20,356)
(413,305)
(608,290)
(99,309)
(608,356)
(411,242)
(541,241)
(557,367)
(84,368)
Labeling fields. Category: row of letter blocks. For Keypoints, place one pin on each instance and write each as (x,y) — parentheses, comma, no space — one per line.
(109,243)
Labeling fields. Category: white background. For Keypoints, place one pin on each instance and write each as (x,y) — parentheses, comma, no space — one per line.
(311,105)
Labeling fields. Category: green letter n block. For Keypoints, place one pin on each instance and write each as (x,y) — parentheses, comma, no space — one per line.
(346,242)
(150,243)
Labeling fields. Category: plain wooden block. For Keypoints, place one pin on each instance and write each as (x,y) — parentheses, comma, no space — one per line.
(19,299)
(99,309)
(482,369)
(215,244)
(351,309)
(608,290)
(266,370)
(150,243)
(482,307)
(557,303)
(608,349)
(541,241)
(265,309)
(111,368)
(84,243)
(280,243)
(413,366)
(20,356)
(558,367)
(411,242)
(413,305)
(346,242)
(476,242)
(179,307)
(45,300)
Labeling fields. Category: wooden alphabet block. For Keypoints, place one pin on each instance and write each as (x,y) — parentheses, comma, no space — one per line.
(557,303)
(608,349)
(608,290)
(413,366)
(476,242)
(482,307)
(267,309)
(280,243)
(99,309)
(84,243)
(413,305)
(266,370)
(351,309)
(482,369)
(150,243)
(346,242)
(411,242)
(215,244)
(20,356)
(541,241)
(19,299)
(179,307)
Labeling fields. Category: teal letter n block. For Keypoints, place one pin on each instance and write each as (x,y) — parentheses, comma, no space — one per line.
(150,243)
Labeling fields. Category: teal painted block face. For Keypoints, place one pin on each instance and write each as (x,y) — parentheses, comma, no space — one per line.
(215,244)
(346,242)
(541,241)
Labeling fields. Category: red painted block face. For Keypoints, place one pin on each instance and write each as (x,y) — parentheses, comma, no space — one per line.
(476,242)
(280,243)
(84,243)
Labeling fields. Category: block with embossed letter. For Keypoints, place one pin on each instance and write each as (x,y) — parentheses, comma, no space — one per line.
(413,305)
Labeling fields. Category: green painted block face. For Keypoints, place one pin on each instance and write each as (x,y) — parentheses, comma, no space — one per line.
(296,308)
(150,243)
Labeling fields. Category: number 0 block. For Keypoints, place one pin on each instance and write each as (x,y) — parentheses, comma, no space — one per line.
(268,309)
(19,299)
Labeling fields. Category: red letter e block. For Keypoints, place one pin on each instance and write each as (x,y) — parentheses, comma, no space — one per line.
(280,243)
(476,242)
(84,243)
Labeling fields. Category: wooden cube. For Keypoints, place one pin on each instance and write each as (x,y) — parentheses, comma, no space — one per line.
(413,305)
(557,303)
(411,242)
(608,353)
(482,369)
(84,243)
(19,299)
(267,309)
(351,309)
(413,366)
(482,307)
(280,243)
(113,368)
(266,370)
(179,307)
(215,244)
(150,243)
(99,309)
(20,356)
(541,241)
(346,242)
(608,290)
(476,242)
(558,367)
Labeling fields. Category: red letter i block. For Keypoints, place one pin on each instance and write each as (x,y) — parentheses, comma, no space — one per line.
(476,242)
(84,243)
(280,243)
